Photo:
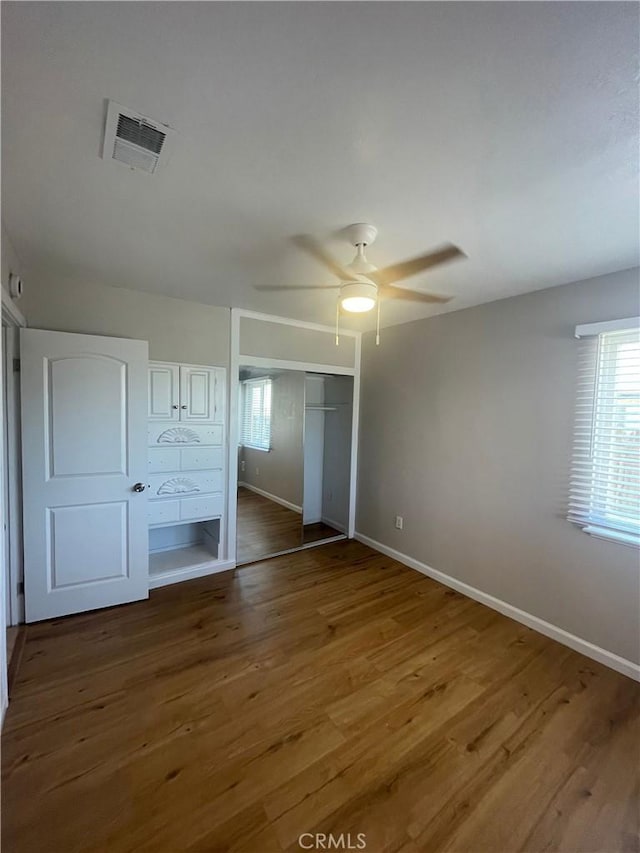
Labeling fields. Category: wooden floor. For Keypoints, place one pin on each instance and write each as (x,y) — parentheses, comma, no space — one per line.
(265,527)
(318,531)
(330,691)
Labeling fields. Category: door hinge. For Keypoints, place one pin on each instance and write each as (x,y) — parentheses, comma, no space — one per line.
(16,365)
(21,588)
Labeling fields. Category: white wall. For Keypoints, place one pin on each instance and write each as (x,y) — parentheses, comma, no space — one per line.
(177,330)
(295,343)
(467,424)
(9,260)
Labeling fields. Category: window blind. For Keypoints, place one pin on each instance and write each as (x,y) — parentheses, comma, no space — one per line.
(255,420)
(605,480)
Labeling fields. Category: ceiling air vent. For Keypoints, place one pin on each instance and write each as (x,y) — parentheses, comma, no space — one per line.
(135,140)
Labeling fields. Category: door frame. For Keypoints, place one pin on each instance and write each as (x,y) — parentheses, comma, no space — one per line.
(12,456)
(12,319)
(236,358)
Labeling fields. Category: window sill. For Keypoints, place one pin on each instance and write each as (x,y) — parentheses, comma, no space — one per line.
(251,447)
(629,539)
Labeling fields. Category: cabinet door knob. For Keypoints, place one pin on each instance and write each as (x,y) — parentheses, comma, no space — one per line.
(139,487)
(183,407)
(175,406)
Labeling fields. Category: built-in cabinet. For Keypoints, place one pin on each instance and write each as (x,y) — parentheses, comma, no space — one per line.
(186,393)
(186,474)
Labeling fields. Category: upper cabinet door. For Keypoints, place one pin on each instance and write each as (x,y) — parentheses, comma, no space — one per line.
(164,392)
(198,394)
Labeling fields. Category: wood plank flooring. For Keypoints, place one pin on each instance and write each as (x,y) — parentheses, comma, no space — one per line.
(329,691)
(265,527)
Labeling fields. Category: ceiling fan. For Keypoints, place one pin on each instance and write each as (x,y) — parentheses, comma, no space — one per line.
(361,284)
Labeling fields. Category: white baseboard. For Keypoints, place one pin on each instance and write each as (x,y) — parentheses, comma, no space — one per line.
(190,573)
(271,497)
(620,664)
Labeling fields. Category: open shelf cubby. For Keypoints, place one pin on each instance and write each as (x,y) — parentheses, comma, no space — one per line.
(179,546)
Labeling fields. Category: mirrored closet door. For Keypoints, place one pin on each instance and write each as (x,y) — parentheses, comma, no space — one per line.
(270,462)
(294,460)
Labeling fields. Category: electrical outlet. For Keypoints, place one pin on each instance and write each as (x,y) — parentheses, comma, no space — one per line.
(243,465)
(257,472)
(399,522)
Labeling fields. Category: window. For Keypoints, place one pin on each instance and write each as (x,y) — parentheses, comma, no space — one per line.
(605,483)
(255,413)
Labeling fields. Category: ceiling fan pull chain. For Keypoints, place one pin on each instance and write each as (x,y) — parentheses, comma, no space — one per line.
(338,322)
(378,325)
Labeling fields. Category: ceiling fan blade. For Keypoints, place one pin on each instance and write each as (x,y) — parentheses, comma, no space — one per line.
(392,292)
(396,272)
(308,244)
(274,287)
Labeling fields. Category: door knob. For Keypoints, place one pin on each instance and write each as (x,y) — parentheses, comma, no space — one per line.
(139,487)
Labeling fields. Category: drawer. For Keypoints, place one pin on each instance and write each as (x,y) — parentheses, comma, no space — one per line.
(169,434)
(181,483)
(163,512)
(207,506)
(197,458)
(164,459)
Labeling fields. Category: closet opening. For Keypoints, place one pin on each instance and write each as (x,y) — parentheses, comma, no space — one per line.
(294,460)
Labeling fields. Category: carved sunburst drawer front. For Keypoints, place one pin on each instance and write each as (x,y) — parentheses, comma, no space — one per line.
(181,484)
(182,435)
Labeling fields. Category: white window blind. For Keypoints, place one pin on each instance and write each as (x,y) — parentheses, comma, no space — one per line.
(255,420)
(605,482)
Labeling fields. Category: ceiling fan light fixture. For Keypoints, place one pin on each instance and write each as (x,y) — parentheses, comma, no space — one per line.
(358,297)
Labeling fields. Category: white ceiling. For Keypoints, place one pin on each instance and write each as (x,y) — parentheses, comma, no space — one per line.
(509,129)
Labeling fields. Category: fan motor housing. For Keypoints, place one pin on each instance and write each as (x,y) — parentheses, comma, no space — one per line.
(358,296)
(361,234)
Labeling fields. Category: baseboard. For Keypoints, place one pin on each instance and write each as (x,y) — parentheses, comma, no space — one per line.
(190,573)
(271,497)
(620,664)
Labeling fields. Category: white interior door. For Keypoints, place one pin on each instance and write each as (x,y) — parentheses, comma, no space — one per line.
(84,422)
